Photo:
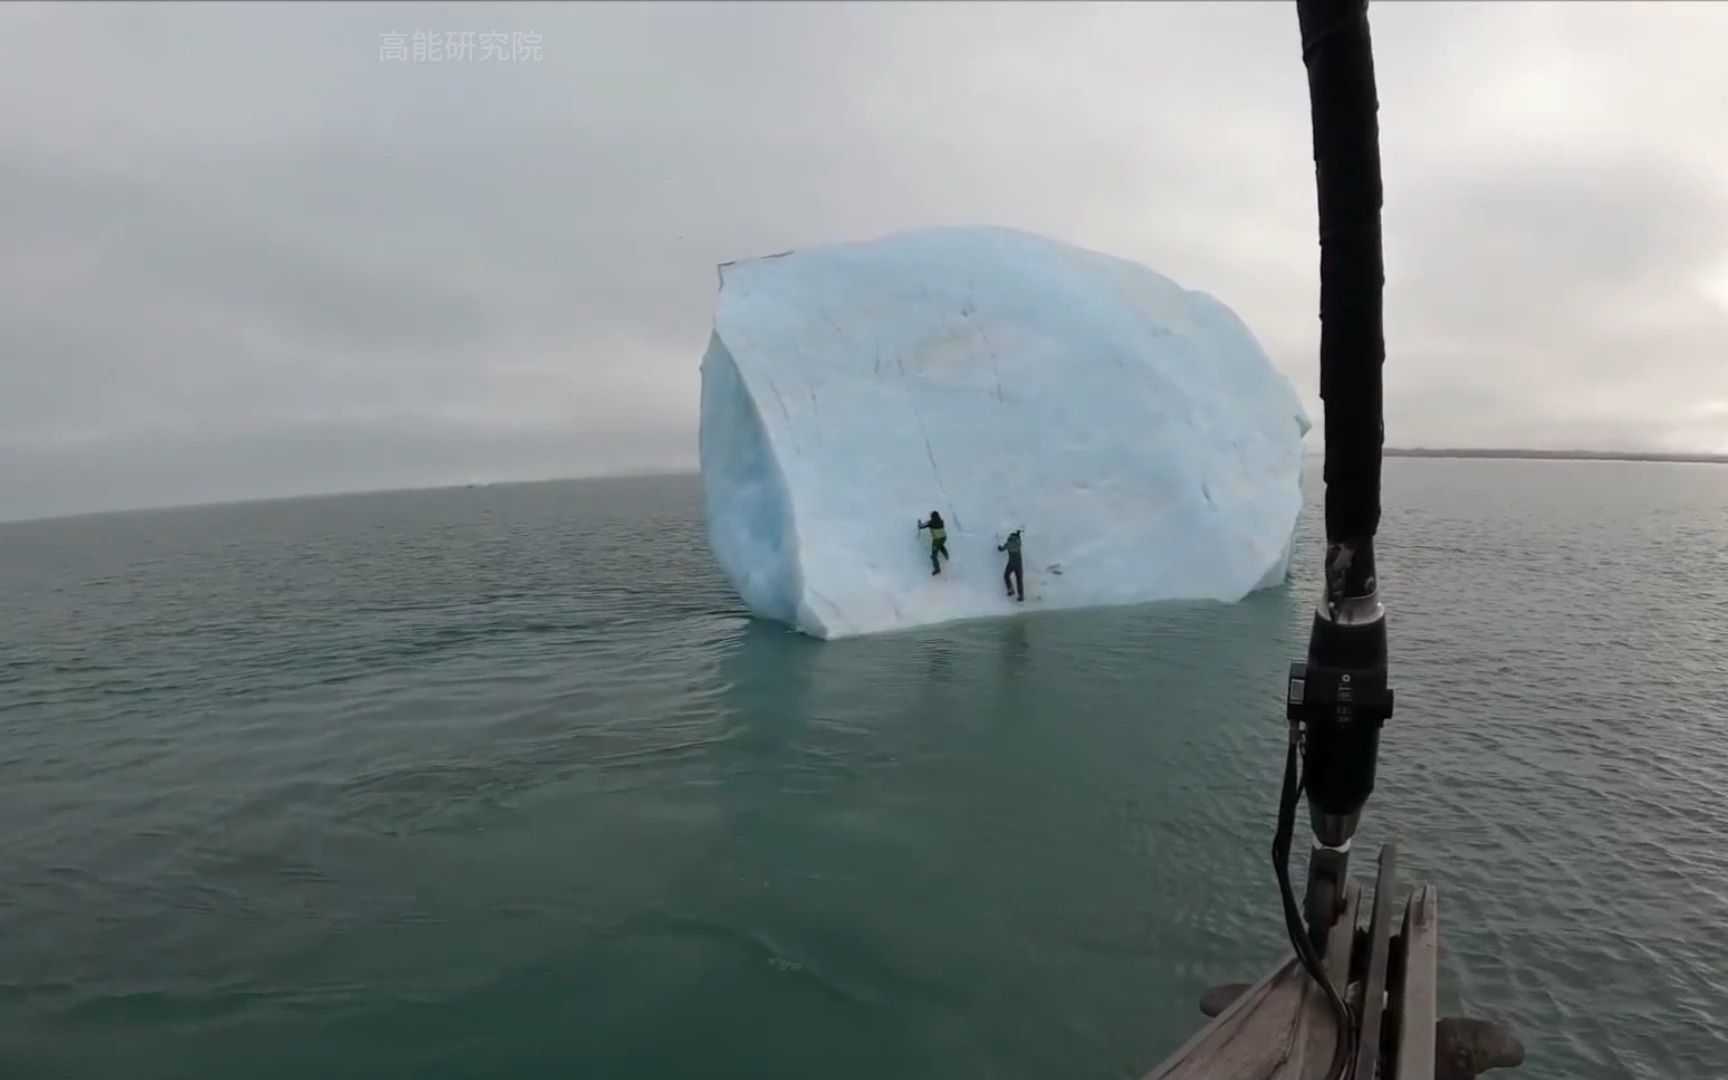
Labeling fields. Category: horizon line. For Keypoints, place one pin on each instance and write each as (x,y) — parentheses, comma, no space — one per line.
(1515,453)
(1458,452)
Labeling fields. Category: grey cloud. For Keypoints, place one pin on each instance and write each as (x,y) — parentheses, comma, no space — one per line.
(246,256)
(123,242)
(1566,292)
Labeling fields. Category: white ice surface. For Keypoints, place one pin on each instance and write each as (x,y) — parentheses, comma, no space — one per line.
(1135,430)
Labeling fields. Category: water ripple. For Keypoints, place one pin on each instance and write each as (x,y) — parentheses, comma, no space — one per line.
(507,776)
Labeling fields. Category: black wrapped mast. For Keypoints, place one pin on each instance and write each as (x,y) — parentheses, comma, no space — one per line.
(1338,53)
(1340,697)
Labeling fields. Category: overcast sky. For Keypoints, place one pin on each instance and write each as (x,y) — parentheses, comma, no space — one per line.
(245,256)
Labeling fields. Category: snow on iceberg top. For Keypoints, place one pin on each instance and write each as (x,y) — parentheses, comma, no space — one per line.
(1135,429)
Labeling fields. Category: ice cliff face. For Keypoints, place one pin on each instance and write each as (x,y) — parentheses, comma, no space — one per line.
(1134,429)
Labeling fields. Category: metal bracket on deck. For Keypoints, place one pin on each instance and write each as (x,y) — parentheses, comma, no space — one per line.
(1281,1029)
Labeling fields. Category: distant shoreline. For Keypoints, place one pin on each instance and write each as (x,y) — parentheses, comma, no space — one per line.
(1557,455)
(1311,454)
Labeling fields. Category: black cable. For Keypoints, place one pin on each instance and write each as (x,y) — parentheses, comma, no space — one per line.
(1344,1049)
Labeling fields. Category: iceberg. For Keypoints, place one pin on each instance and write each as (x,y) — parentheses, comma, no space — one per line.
(1133,429)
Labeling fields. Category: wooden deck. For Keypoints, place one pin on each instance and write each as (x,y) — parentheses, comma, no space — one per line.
(1281,1028)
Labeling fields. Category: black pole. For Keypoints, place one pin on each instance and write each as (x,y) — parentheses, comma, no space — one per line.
(1339,699)
(1338,52)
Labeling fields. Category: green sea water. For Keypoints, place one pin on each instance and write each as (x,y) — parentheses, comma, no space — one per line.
(502,782)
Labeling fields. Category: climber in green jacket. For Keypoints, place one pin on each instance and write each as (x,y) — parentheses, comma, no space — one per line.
(938,540)
(1015,574)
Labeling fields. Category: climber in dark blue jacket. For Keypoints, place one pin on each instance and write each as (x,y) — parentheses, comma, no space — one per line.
(1015,574)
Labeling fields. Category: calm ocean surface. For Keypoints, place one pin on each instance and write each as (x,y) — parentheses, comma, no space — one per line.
(501,782)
